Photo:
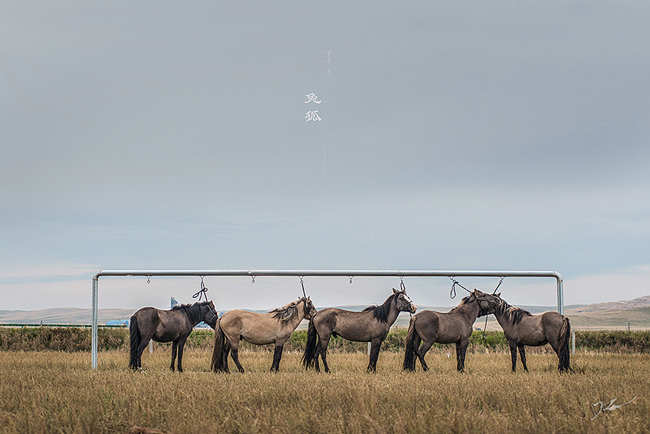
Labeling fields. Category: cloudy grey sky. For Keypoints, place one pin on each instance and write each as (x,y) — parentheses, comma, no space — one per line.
(453,135)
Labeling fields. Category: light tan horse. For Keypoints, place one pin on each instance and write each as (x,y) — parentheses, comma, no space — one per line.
(455,326)
(521,328)
(274,327)
(370,325)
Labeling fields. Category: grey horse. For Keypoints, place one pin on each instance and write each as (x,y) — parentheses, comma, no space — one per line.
(370,325)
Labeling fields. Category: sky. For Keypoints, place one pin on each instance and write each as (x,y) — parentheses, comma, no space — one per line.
(340,135)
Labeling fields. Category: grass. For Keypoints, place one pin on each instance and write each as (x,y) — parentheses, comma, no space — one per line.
(54,392)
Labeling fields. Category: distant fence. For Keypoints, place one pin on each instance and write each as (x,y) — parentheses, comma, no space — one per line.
(78,339)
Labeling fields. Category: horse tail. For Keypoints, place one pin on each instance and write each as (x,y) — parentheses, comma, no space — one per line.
(309,358)
(217,355)
(136,338)
(409,352)
(563,354)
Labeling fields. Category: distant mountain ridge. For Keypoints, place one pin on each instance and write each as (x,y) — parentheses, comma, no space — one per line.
(589,316)
(636,303)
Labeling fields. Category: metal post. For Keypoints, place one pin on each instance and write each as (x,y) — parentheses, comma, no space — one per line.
(94,325)
(560,294)
(573,341)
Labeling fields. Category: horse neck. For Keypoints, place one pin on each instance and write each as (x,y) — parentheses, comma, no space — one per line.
(469,310)
(501,314)
(299,315)
(194,314)
(393,312)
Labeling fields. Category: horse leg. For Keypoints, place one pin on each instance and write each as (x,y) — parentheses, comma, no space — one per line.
(422,351)
(234,353)
(143,344)
(324,342)
(374,354)
(181,346)
(522,353)
(174,349)
(513,354)
(277,355)
(226,351)
(461,350)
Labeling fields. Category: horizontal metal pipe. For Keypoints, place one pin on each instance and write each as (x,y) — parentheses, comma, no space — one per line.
(333,273)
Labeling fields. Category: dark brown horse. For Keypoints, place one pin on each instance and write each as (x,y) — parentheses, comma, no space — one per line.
(454,326)
(274,327)
(523,328)
(370,325)
(173,325)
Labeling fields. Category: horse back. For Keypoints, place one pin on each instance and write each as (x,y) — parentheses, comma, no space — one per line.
(552,323)
(530,330)
(254,327)
(445,327)
(350,325)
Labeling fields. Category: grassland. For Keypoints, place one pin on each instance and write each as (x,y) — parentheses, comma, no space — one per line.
(54,392)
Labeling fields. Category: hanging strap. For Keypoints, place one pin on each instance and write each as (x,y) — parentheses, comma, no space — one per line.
(203,292)
(452,293)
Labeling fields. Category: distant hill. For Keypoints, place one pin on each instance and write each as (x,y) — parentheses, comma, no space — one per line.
(615,315)
(613,306)
(66,315)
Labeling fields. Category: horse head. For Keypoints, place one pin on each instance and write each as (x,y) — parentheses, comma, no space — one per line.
(210,314)
(310,310)
(404,303)
(487,303)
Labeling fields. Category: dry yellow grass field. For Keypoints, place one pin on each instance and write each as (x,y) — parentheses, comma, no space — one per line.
(49,392)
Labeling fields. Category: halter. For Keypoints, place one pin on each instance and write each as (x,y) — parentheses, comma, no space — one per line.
(402,287)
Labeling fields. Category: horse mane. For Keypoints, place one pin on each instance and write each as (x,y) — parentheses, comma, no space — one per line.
(193,310)
(286,312)
(462,303)
(513,314)
(381,312)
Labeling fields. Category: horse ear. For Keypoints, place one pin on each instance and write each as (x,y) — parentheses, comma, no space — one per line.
(394,291)
(499,295)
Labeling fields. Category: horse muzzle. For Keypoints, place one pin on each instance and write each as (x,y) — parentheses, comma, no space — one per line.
(413,308)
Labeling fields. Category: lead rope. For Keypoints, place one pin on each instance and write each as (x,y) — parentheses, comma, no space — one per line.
(486,316)
(203,292)
(303,287)
(452,293)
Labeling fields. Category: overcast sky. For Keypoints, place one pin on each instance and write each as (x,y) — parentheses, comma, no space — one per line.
(450,135)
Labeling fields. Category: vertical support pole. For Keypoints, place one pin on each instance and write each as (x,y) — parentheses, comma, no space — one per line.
(560,296)
(94,325)
(573,341)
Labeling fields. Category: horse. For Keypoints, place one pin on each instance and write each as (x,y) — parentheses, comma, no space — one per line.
(370,325)
(521,328)
(173,325)
(454,326)
(258,329)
